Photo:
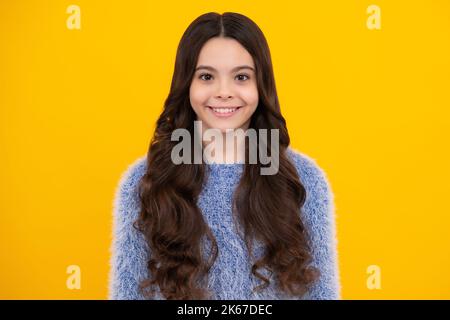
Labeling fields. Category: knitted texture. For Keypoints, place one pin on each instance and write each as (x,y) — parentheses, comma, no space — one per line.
(230,277)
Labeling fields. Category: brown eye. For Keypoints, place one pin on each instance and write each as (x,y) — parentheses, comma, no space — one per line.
(243,75)
(204,74)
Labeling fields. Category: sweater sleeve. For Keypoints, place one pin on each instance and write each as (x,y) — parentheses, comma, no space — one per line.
(129,251)
(319,219)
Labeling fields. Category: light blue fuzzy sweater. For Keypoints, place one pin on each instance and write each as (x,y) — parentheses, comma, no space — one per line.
(230,277)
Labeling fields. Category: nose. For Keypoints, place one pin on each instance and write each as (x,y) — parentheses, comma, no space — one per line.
(224,91)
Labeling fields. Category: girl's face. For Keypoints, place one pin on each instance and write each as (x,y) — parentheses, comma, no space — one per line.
(223,91)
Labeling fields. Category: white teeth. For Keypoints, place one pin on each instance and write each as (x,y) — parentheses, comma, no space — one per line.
(224,110)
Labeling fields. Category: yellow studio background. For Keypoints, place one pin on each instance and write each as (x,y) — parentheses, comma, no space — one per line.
(77,106)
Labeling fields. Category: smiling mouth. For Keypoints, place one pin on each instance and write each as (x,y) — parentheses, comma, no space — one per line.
(224,111)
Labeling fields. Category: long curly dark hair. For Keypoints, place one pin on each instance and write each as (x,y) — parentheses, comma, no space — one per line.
(268,207)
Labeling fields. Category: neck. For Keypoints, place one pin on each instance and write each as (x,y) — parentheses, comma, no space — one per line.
(232,150)
(226,147)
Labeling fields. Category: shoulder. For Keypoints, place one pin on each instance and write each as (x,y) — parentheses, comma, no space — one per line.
(132,174)
(309,171)
(319,194)
(126,200)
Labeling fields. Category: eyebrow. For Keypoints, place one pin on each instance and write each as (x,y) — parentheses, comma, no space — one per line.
(232,70)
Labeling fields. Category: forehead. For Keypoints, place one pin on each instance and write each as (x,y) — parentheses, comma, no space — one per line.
(224,53)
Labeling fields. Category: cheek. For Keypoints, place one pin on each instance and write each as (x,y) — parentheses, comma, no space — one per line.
(198,96)
(250,96)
